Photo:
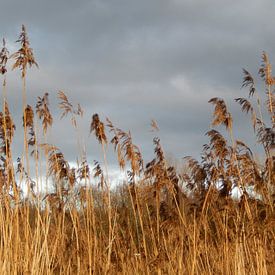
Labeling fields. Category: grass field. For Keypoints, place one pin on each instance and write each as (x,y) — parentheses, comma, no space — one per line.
(161,220)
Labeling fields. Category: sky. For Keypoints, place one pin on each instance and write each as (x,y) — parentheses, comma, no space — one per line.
(134,61)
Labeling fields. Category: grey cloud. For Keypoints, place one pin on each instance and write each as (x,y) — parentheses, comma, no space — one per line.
(137,60)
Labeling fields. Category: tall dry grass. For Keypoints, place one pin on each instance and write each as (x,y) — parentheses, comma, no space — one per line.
(161,220)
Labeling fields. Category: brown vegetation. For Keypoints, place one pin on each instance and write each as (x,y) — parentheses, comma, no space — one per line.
(161,220)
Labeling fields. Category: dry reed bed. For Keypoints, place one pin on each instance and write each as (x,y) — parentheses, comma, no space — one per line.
(161,220)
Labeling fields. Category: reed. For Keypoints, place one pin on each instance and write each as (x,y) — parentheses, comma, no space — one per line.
(162,219)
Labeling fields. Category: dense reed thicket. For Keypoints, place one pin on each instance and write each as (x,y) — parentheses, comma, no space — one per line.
(161,220)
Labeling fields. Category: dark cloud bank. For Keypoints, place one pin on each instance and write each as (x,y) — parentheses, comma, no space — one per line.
(134,61)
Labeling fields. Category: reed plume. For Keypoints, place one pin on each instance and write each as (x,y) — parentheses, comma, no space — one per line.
(24,57)
(4,56)
(43,112)
(98,128)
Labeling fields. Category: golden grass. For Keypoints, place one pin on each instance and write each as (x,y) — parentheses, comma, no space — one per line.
(160,221)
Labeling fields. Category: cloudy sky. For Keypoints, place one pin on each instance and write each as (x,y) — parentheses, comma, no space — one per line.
(134,61)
